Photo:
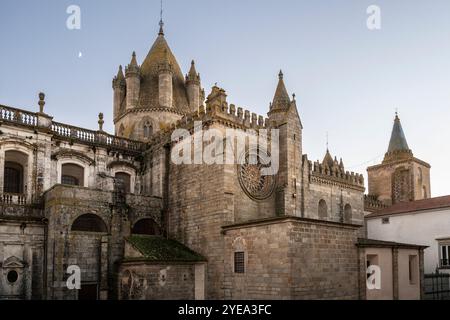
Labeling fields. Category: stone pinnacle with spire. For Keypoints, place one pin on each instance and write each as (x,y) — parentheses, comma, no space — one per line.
(133,67)
(281,99)
(398,146)
(192,75)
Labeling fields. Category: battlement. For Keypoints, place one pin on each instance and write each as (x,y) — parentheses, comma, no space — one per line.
(372,204)
(336,173)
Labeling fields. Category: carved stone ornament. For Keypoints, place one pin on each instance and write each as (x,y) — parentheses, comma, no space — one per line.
(256,185)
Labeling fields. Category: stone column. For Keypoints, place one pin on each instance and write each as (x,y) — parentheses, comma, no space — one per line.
(395,287)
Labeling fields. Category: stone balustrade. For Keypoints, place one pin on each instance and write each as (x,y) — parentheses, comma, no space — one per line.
(26,118)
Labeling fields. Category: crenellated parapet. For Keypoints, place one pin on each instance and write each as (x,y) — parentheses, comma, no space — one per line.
(372,204)
(336,174)
(230,115)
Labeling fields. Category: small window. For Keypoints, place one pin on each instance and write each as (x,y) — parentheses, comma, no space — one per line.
(386,221)
(12,276)
(445,256)
(72,174)
(239,262)
(413,269)
(148,130)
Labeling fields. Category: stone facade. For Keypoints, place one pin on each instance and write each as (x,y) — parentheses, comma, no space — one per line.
(72,196)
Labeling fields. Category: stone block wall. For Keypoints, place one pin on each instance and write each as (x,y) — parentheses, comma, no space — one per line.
(144,281)
(292,258)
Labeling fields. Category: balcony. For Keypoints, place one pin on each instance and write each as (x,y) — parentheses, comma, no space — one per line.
(17,205)
(13,198)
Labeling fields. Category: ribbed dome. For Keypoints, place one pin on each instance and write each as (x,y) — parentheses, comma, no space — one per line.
(149,96)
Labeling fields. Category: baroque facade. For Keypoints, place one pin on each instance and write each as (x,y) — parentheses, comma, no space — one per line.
(141,227)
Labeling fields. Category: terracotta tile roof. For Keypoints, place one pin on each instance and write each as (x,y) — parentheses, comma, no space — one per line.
(413,206)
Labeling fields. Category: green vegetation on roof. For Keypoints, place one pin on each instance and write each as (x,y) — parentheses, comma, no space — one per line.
(155,248)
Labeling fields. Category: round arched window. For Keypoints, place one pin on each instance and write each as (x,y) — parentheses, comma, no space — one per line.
(12,276)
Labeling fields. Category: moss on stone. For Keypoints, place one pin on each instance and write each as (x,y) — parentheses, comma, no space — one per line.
(155,248)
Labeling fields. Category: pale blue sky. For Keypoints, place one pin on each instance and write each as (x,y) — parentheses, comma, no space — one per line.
(348,80)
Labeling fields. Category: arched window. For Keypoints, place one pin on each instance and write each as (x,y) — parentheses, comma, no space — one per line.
(348,213)
(323,209)
(72,174)
(123,182)
(146,227)
(148,130)
(89,223)
(13,176)
(14,172)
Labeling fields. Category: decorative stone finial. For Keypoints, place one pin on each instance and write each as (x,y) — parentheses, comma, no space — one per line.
(280,75)
(100,121)
(41,102)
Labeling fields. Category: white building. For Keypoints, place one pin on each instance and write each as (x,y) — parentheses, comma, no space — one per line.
(424,222)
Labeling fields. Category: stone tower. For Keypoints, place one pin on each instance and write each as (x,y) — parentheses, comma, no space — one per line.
(283,115)
(400,177)
(154,95)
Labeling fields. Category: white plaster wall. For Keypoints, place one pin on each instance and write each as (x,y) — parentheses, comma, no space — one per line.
(422,228)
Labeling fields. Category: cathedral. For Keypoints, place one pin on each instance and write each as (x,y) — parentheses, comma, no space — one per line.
(140,227)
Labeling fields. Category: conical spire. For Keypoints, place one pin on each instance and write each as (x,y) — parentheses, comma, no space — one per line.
(120,75)
(161,56)
(133,67)
(133,59)
(398,139)
(119,80)
(398,146)
(328,160)
(281,99)
(192,74)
